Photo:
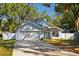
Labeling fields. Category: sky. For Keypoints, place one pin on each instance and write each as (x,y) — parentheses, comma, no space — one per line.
(40,8)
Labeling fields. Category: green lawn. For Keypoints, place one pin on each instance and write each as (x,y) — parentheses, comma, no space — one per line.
(67,45)
(6,47)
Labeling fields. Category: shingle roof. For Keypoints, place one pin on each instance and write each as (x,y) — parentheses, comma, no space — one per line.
(39,23)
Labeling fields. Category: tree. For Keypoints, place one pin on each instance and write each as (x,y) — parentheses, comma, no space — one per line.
(46,4)
(15,10)
(56,19)
(16,13)
(70,14)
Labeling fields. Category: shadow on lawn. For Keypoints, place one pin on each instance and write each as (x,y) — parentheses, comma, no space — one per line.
(7,44)
(68,45)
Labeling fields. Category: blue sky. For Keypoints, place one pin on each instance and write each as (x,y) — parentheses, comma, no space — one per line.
(41,8)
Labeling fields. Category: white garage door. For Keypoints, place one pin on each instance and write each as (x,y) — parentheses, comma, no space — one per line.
(28,35)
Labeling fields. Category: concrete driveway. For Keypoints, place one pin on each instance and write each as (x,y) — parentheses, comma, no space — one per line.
(38,48)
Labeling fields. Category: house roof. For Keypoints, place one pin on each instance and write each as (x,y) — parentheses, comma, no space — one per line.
(29,22)
(38,23)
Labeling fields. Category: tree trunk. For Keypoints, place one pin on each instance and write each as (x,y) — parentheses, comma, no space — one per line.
(77,24)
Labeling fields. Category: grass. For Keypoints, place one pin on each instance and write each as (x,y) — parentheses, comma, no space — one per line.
(6,47)
(67,45)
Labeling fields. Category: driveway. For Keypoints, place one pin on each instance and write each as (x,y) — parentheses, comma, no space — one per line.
(38,48)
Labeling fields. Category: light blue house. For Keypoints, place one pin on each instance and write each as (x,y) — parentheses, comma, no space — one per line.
(34,30)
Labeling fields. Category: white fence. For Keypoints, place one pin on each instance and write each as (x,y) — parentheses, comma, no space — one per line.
(70,36)
(8,36)
(65,36)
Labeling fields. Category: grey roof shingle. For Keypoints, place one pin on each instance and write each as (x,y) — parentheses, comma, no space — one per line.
(38,23)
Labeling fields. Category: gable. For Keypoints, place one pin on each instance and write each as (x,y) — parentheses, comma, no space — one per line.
(42,23)
(29,27)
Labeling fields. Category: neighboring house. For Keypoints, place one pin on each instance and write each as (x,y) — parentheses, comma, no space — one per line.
(34,30)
